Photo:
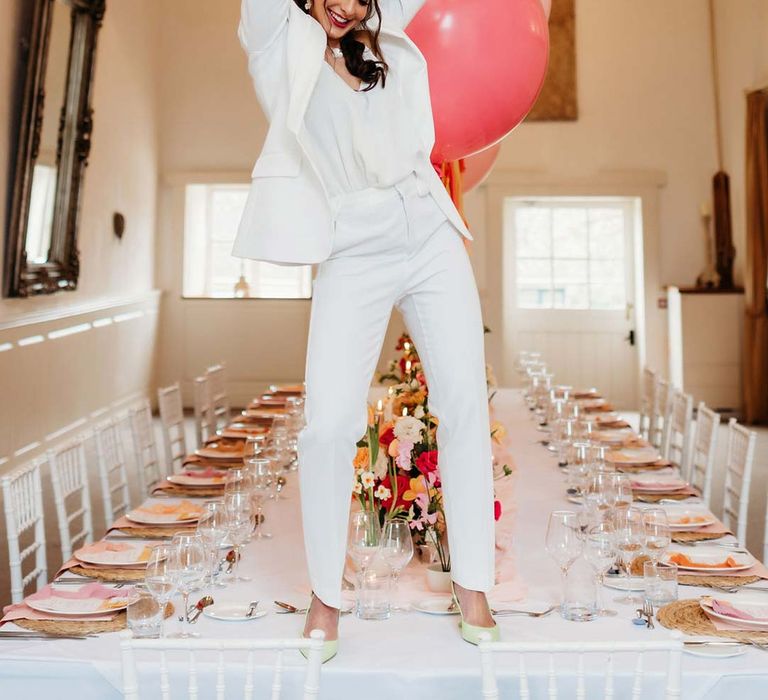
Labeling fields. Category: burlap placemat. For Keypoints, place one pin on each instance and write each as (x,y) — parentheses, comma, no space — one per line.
(634,468)
(716,581)
(70,627)
(189,491)
(688,617)
(152,531)
(683,536)
(115,575)
(656,497)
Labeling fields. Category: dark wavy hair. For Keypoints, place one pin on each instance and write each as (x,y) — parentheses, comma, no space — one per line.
(368,71)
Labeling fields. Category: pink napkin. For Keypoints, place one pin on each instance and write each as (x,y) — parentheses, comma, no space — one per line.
(104,546)
(207,473)
(735,626)
(725,608)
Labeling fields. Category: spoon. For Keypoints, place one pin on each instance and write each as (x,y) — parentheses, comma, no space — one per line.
(201,604)
(252,608)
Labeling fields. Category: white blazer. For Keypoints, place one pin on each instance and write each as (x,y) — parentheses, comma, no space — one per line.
(288,216)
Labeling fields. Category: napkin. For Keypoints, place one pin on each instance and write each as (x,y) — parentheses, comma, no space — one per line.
(105,546)
(184,510)
(207,473)
(682,560)
(21,610)
(756,613)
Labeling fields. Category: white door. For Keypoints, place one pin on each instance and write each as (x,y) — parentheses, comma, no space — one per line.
(570,288)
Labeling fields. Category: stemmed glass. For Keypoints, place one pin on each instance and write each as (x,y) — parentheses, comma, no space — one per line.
(261,472)
(213,528)
(240,518)
(564,542)
(364,537)
(658,535)
(396,547)
(160,580)
(622,489)
(600,552)
(188,568)
(599,495)
(630,538)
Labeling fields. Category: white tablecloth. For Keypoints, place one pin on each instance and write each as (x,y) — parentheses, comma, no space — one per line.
(411,653)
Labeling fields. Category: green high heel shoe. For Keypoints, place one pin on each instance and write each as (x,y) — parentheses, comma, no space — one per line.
(330,648)
(471,633)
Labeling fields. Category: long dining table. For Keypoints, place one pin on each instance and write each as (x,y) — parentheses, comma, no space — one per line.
(412,652)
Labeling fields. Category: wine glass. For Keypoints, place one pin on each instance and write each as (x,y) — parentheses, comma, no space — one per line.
(239,509)
(622,488)
(188,568)
(159,578)
(600,552)
(364,537)
(396,547)
(261,473)
(658,535)
(564,542)
(238,479)
(599,495)
(630,539)
(213,528)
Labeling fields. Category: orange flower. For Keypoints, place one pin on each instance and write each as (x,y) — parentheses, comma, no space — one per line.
(394,446)
(498,432)
(417,486)
(361,458)
(371,417)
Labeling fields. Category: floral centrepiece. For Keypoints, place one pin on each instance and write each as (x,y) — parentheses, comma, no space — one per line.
(396,465)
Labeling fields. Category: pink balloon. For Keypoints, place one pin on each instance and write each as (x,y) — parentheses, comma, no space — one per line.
(487,61)
(478,166)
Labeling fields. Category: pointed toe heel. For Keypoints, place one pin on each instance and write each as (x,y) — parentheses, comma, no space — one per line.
(473,633)
(330,648)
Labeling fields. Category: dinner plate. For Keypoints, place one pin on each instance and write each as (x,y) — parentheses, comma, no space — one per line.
(263,412)
(144,517)
(79,606)
(619,583)
(613,436)
(186,480)
(226,449)
(631,455)
(117,554)
(737,600)
(232,612)
(682,518)
(436,606)
(711,555)
(714,650)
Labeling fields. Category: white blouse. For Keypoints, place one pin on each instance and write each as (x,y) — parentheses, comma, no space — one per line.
(356,138)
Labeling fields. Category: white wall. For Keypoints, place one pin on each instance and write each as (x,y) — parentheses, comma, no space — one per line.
(645,103)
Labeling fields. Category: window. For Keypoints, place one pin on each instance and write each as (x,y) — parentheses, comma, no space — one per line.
(570,253)
(211,216)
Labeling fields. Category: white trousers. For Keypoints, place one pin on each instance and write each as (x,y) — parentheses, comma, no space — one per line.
(393,247)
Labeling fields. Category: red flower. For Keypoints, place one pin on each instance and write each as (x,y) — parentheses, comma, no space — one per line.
(426,462)
(496,510)
(387,436)
(402,486)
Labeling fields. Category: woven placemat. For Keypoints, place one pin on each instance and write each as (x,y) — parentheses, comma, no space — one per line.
(152,531)
(70,627)
(692,536)
(656,497)
(687,616)
(112,575)
(716,581)
(634,468)
(189,491)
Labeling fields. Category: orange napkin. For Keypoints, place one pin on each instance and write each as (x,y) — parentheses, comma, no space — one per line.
(682,560)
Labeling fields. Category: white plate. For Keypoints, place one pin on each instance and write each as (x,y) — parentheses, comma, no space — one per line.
(126,557)
(185,480)
(676,513)
(436,606)
(232,612)
(633,455)
(213,452)
(146,518)
(739,600)
(711,555)
(79,606)
(619,583)
(721,652)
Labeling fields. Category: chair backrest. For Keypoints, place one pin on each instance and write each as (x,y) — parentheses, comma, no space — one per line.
(23,504)
(217,391)
(605,653)
(220,648)
(69,476)
(112,473)
(205,422)
(738,477)
(172,419)
(647,401)
(703,451)
(659,413)
(144,446)
(677,431)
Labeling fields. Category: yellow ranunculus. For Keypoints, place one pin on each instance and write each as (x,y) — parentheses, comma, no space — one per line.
(362,458)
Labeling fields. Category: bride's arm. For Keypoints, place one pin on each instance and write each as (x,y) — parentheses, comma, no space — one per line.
(400,12)
(261,21)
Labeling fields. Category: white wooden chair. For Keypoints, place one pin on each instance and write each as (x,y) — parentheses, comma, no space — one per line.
(172,419)
(677,431)
(23,505)
(555,651)
(647,402)
(205,422)
(220,648)
(71,493)
(217,392)
(659,412)
(112,473)
(703,451)
(738,477)
(144,447)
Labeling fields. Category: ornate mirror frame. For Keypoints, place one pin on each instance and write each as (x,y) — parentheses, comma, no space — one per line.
(60,272)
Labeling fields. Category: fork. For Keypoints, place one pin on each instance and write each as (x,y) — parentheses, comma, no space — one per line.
(648,614)
(509,611)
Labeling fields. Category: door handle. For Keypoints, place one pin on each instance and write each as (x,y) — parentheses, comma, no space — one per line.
(631,337)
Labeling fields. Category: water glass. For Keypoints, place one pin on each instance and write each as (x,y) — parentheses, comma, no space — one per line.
(659,582)
(564,542)
(396,547)
(364,537)
(579,599)
(373,591)
(145,615)
(658,535)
